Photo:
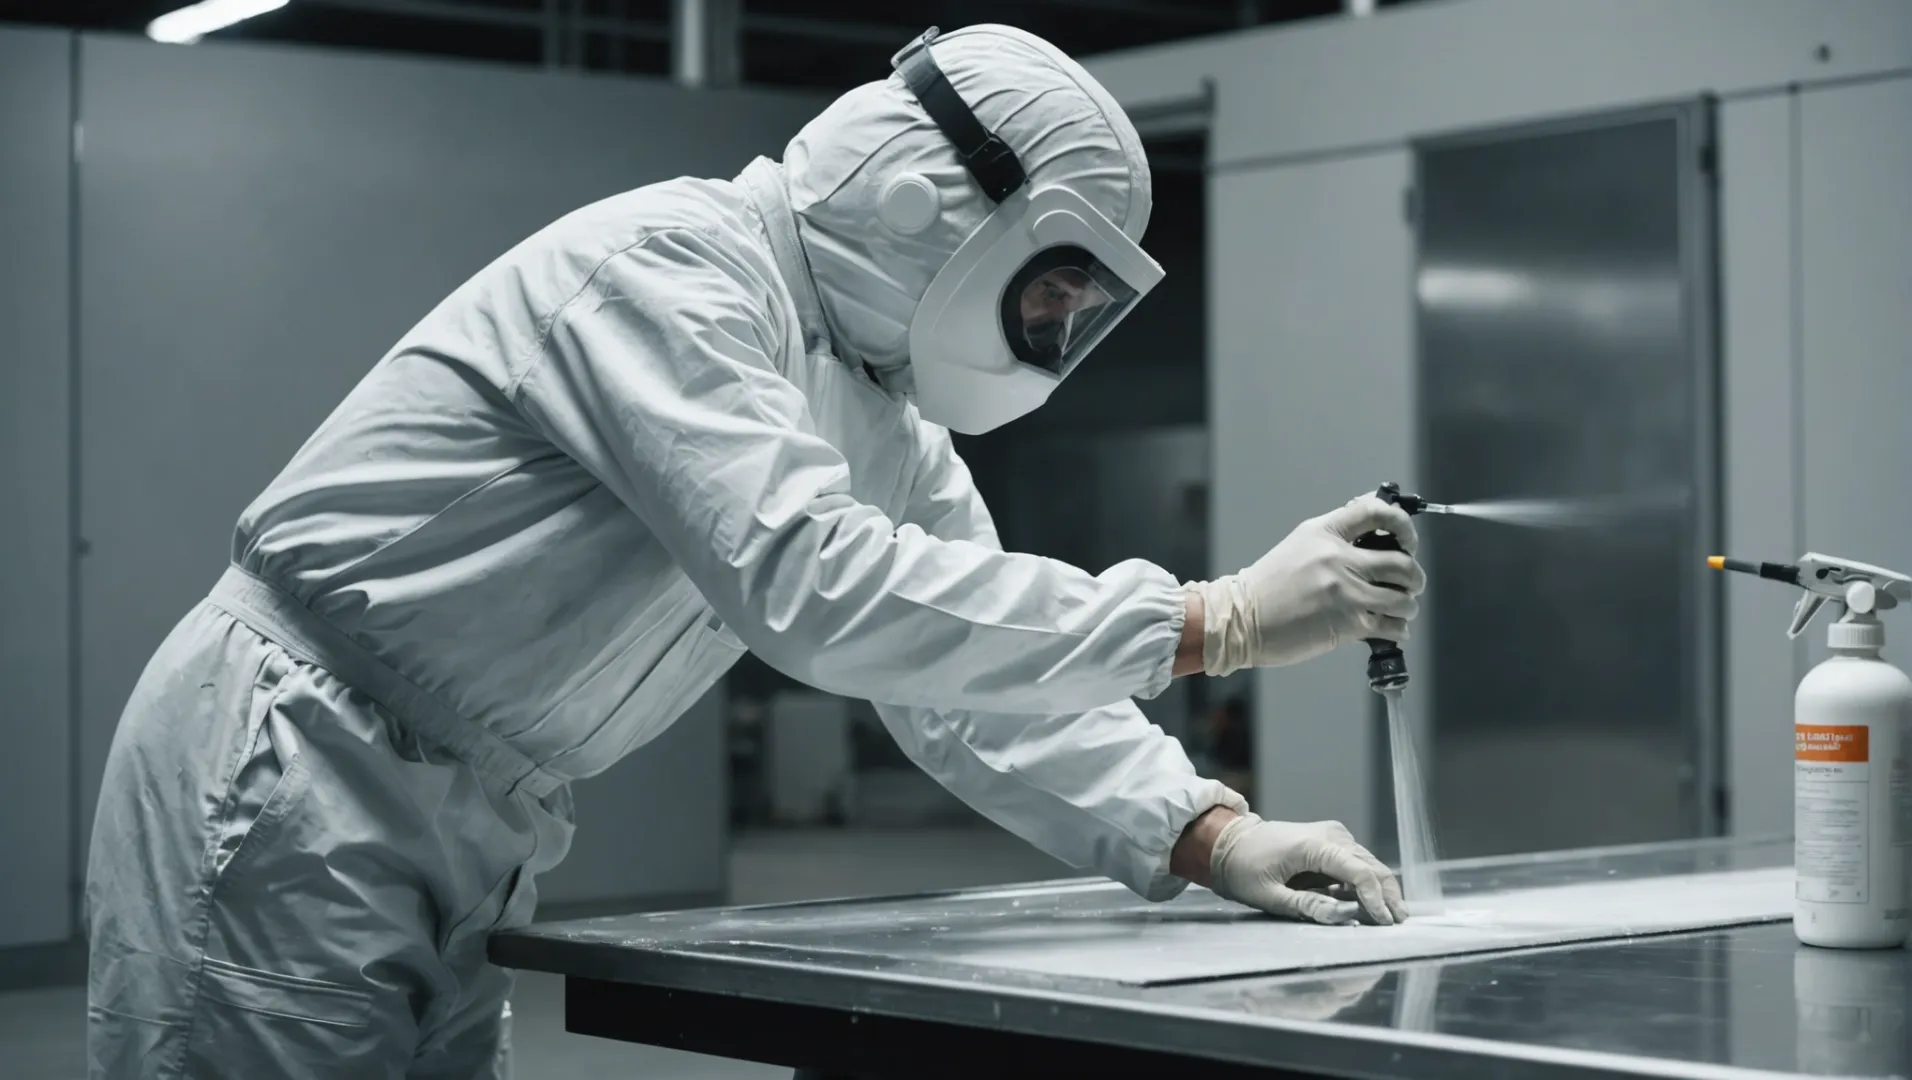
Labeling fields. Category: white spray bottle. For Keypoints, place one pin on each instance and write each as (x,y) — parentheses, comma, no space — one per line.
(1852,732)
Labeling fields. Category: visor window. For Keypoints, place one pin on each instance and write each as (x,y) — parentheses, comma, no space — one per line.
(1059,305)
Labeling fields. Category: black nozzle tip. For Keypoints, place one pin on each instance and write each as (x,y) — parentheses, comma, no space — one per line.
(1391,492)
(1786,572)
(1387,665)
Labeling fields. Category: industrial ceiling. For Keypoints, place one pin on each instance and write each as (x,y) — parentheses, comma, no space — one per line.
(826,44)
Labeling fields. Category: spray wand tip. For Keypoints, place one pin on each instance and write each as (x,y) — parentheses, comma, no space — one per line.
(1786,572)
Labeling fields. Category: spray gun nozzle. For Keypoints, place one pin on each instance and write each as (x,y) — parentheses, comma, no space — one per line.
(1391,493)
(1387,665)
(1786,572)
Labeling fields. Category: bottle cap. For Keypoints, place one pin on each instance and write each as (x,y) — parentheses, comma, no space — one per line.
(1852,634)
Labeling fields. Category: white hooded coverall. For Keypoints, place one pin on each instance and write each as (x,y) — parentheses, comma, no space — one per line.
(542,526)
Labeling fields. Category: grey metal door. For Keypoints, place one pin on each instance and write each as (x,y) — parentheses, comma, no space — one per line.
(1564,292)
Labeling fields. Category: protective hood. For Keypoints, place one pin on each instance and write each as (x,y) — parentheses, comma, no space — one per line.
(873,258)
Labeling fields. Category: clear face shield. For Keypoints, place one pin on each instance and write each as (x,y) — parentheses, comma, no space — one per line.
(1059,305)
(1028,295)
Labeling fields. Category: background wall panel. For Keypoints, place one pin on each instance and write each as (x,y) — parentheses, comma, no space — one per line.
(36,842)
(1310,403)
(1758,291)
(259,225)
(1855,309)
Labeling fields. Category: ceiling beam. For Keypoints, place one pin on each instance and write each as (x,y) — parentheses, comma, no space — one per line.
(447,11)
(820,29)
(1193,14)
(789,26)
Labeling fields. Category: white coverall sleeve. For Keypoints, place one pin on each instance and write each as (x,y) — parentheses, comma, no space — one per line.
(659,378)
(1104,790)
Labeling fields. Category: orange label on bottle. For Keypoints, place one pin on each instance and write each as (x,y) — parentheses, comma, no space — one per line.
(1833,744)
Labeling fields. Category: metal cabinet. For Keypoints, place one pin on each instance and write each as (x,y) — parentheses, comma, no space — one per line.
(1567,381)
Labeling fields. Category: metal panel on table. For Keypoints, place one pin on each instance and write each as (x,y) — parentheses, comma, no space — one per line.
(36,841)
(1564,292)
(828,980)
(261,224)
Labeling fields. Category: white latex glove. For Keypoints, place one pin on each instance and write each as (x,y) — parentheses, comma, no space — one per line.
(1314,591)
(1256,862)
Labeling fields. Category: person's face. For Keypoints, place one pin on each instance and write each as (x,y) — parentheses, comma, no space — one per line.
(1050,302)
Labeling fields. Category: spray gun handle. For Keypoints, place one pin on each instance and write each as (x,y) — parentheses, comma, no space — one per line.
(1387,665)
(1859,587)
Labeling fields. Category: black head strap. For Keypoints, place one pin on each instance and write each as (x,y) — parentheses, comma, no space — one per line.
(987,157)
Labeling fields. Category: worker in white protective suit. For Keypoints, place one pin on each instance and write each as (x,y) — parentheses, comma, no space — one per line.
(696,418)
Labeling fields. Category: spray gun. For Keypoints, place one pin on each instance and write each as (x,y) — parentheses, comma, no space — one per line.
(1387,665)
(1861,589)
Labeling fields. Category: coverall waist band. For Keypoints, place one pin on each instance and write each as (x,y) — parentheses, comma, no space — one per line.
(280,618)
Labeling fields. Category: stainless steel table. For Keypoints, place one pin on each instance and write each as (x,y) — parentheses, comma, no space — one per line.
(878,988)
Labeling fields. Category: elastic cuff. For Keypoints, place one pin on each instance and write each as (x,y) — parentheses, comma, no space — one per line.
(1164,672)
(1208,794)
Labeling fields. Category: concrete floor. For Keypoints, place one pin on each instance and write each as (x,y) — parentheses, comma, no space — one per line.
(42,1031)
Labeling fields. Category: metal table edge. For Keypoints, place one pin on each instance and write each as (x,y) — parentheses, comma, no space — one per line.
(1325,1047)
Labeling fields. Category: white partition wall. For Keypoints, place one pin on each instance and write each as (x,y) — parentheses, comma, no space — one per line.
(1310,352)
(1855,332)
(250,229)
(1760,448)
(258,225)
(36,803)
(1327,86)
(1308,274)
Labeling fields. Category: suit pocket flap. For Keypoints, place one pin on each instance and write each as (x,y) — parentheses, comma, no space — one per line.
(285,996)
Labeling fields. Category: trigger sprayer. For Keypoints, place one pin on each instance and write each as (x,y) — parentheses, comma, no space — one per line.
(1852,795)
(1861,589)
(1387,665)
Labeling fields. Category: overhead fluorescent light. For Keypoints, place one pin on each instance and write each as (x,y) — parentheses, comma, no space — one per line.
(189,24)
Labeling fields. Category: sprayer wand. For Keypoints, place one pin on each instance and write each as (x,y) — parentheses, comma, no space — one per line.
(1861,587)
(1387,664)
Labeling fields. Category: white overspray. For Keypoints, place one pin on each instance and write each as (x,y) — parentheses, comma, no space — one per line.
(1420,878)
(1575,513)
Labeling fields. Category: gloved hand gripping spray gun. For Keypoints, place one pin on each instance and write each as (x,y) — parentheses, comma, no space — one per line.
(1852,757)
(1387,665)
